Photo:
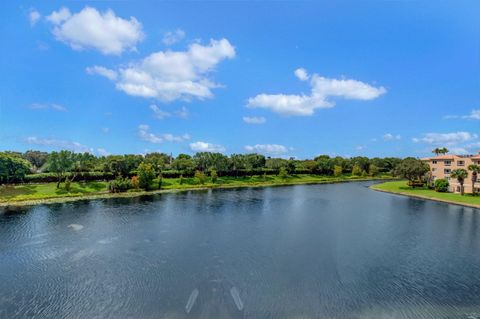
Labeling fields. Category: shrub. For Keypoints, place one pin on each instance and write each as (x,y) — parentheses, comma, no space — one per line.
(441,185)
(337,171)
(160,180)
(373,170)
(182,180)
(119,185)
(213,175)
(283,173)
(146,174)
(200,176)
(356,170)
(52,177)
(68,184)
(135,182)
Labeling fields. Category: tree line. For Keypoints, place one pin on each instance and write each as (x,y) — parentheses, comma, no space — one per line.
(37,166)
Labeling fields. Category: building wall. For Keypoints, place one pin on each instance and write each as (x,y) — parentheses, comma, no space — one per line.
(441,166)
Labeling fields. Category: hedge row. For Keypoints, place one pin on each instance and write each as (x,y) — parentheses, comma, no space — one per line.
(99,176)
(51,177)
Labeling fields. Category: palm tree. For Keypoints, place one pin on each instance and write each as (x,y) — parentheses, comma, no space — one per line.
(437,151)
(475,169)
(460,174)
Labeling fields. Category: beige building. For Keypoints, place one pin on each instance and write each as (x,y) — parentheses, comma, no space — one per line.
(441,167)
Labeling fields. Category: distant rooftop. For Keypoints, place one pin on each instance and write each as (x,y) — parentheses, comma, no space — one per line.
(452,156)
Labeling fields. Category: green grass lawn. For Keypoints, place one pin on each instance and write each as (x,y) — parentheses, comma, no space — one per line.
(401,187)
(28,192)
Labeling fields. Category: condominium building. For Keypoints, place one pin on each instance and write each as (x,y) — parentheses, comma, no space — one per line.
(441,166)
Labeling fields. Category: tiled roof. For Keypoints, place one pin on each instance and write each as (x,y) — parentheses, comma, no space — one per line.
(443,157)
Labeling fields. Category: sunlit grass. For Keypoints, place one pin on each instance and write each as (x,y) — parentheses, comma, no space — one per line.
(28,192)
(401,187)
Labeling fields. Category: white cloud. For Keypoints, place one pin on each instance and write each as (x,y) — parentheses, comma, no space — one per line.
(102,152)
(206,147)
(359,147)
(57,17)
(172,37)
(175,75)
(60,144)
(100,70)
(254,120)
(459,150)
(445,138)
(158,113)
(267,148)
(182,113)
(33,17)
(47,106)
(301,74)
(145,134)
(474,115)
(105,130)
(391,137)
(321,90)
(90,28)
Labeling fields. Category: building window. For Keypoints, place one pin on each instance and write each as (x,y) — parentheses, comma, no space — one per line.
(461,163)
(433,169)
(434,162)
(446,171)
(448,163)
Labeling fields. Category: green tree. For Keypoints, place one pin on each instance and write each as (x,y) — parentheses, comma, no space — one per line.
(36,158)
(356,170)
(437,151)
(12,168)
(200,176)
(159,161)
(60,163)
(275,163)
(146,174)
(184,163)
(325,164)
(81,162)
(122,165)
(283,173)
(214,176)
(373,170)
(475,169)
(254,161)
(361,161)
(291,167)
(412,169)
(460,174)
(337,171)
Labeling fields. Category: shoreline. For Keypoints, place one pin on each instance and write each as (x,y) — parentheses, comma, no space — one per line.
(373,187)
(106,195)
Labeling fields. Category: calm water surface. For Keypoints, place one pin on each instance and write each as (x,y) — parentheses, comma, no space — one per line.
(321,251)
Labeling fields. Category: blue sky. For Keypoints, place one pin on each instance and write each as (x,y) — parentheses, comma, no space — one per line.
(283,78)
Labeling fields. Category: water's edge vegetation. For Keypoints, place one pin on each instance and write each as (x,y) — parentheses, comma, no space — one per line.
(44,193)
(401,188)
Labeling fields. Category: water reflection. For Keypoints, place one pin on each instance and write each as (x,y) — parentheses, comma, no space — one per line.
(323,251)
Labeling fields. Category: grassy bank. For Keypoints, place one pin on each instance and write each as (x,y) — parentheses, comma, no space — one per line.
(401,187)
(29,194)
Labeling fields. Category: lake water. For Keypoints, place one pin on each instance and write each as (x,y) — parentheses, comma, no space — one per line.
(318,251)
